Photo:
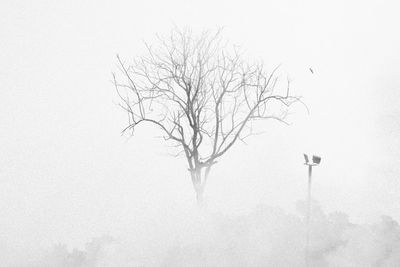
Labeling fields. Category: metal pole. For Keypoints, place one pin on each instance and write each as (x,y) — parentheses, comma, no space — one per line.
(308,216)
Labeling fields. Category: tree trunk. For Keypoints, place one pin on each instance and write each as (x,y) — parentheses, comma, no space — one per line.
(199,197)
(199,183)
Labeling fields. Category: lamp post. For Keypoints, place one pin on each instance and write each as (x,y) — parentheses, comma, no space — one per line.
(315,162)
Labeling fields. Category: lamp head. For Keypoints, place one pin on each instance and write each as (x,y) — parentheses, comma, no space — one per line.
(316,159)
(306,158)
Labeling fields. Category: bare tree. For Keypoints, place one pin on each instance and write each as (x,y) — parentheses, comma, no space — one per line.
(201,94)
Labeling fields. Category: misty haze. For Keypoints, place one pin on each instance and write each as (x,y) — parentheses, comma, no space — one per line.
(182,133)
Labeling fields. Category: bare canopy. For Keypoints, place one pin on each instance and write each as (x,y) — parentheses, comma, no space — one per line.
(201,94)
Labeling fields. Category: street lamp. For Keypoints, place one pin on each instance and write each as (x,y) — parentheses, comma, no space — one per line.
(316,160)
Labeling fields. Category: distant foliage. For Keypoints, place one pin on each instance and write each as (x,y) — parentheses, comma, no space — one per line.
(265,237)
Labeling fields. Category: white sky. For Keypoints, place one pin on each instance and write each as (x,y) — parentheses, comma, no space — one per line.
(66,174)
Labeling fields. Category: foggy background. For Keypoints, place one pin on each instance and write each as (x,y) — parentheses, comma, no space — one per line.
(68,176)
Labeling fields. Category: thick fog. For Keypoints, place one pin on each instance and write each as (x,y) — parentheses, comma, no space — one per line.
(74,192)
(264,237)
